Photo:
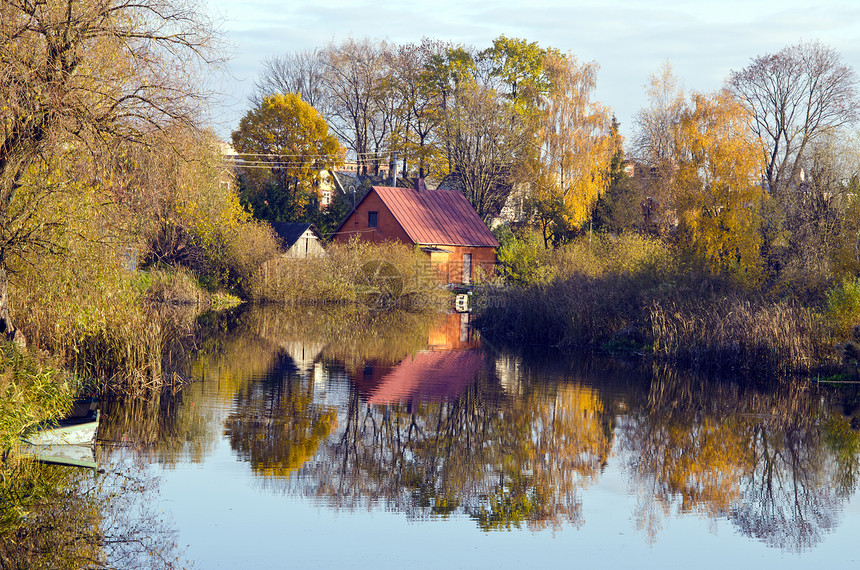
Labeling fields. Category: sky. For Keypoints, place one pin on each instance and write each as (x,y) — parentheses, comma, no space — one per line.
(703,40)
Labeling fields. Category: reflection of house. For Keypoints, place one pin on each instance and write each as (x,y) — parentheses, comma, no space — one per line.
(432,375)
(441,373)
(298,239)
(441,222)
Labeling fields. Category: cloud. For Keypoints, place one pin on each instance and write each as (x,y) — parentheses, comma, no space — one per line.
(704,41)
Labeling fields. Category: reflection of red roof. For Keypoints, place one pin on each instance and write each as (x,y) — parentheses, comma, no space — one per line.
(429,375)
(442,217)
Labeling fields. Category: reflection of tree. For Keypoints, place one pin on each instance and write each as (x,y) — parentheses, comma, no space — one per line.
(753,454)
(78,518)
(504,462)
(275,424)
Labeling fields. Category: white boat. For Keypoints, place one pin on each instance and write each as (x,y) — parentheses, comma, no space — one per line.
(75,455)
(67,432)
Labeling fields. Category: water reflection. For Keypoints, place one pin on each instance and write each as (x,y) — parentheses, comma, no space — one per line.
(753,454)
(356,409)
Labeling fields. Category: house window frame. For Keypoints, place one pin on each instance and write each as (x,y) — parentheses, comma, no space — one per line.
(372,219)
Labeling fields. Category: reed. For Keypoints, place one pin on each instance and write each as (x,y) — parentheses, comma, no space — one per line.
(31,392)
(734,333)
(383,275)
(632,294)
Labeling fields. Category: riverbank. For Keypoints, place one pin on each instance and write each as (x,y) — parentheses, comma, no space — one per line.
(632,296)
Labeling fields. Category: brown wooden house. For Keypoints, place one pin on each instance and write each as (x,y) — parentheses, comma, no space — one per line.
(440,222)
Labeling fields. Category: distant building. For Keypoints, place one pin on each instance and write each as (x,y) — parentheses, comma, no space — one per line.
(299,240)
(440,222)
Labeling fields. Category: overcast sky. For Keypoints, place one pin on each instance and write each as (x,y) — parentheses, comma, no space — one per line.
(703,40)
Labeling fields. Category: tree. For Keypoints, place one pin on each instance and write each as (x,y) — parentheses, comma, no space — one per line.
(486,140)
(299,72)
(419,105)
(290,141)
(576,144)
(520,65)
(652,146)
(795,95)
(617,209)
(75,74)
(354,72)
(716,185)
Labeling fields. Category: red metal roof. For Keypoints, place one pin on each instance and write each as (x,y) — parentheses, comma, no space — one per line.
(441,217)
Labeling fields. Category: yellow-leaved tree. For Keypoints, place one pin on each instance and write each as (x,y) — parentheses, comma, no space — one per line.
(716,185)
(286,142)
(576,147)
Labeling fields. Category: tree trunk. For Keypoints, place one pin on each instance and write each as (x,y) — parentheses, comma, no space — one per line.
(7,329)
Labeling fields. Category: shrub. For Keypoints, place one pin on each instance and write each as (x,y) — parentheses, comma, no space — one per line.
(377,275)
(843,307)
(524,260)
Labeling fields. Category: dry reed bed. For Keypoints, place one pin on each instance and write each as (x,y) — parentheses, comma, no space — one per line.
(738,334)
(698,325)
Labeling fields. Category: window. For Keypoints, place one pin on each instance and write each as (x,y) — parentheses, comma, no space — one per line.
(371,219)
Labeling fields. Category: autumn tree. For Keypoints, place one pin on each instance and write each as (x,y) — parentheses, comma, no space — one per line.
(716,185)
(74,74)
(355,82)
(419,106)
(287,142)
(486,140)
(521,68)
(652,147)
(576,146)
(795,96)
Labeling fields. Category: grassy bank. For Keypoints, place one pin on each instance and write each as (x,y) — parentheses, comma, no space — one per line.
(631,294)
(381,276)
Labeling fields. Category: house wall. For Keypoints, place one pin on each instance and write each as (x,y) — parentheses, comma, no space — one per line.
(306,246)
(387,228)
(450,270)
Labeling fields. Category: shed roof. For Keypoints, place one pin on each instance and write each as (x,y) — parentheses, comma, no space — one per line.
(440,217)
(290,232)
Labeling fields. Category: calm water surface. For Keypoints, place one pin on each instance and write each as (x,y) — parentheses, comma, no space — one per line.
(335,438)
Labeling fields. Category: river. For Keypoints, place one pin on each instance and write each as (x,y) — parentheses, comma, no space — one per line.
(330,438)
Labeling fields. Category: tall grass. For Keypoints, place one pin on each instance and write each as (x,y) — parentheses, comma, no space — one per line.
(632,293)
(389,274)
(94,316)
(31,392)
(733,333)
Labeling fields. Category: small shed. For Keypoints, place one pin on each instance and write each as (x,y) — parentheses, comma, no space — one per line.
(440,222)
(299,240)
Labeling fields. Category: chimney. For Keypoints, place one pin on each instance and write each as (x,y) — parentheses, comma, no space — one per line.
(419,185)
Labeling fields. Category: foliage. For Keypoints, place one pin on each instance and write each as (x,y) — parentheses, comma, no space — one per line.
(843,307)
(576,147)
(524,260)
(716,186)
(285,142)
(76,75)
(618,209)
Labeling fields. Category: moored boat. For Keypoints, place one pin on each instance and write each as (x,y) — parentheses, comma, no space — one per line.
(74,455)
(72,431)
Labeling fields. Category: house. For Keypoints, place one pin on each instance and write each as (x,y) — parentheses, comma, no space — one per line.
(440,222)
(299,239)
